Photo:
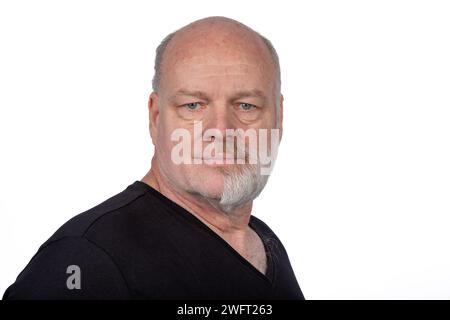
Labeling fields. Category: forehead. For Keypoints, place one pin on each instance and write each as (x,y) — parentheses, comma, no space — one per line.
(205,69)
(208,70)
(207,56)
(218,72)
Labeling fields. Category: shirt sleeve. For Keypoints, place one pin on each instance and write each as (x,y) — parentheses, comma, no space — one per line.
(69,268)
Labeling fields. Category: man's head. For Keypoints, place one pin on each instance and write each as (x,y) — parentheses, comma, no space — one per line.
(222,74)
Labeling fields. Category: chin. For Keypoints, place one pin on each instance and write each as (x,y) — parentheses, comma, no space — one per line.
(208,181)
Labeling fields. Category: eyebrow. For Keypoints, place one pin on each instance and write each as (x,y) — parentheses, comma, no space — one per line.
(237,95)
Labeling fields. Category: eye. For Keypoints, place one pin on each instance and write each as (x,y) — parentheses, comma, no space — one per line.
(247,106)
(192,106)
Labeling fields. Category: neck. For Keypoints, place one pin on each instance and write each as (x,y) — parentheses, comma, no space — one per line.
(224,223)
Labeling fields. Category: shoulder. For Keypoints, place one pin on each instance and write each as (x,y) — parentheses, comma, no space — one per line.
(261,227)
(69,268)
(268,236)
(87,241)
(80,224)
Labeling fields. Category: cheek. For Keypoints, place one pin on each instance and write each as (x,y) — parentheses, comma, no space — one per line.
(165,129)
(163,148)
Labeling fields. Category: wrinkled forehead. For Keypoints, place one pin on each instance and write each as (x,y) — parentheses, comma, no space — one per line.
(205,69)
(219,80)
(212,66)
(196,67)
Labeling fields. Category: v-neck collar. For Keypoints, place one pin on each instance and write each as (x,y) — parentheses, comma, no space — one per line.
(268,277)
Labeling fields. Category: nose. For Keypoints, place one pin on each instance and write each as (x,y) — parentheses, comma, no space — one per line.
(217,121)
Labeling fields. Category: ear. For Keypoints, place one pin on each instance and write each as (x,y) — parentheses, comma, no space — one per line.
(153,113)
(281,116)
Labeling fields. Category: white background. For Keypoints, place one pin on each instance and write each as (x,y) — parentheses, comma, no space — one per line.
(360,192)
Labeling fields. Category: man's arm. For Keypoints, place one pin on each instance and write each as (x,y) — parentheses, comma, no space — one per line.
(70,268)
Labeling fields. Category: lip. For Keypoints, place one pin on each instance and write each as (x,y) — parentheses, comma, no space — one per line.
(215,159)
(219,157)
(218,161)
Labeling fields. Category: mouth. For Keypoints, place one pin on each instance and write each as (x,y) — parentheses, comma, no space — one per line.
(219,160)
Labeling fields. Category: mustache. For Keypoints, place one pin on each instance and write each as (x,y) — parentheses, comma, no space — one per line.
(221,150)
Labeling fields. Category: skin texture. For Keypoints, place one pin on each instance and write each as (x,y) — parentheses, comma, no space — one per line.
(214,63)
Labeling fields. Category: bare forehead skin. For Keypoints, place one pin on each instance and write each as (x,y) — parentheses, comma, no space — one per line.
(217,46)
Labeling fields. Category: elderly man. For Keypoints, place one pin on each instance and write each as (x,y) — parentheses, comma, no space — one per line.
(185,231)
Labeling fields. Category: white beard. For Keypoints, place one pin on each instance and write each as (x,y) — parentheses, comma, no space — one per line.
(241,186)
(242,183)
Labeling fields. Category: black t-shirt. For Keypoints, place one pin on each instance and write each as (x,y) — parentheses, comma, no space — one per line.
(141,245)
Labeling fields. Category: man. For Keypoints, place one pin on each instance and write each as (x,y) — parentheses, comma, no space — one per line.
(185,230)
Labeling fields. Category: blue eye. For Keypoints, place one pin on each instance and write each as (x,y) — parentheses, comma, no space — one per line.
(192,105)
(247,106)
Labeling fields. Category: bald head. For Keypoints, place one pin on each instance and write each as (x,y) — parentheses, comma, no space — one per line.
(223,38)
